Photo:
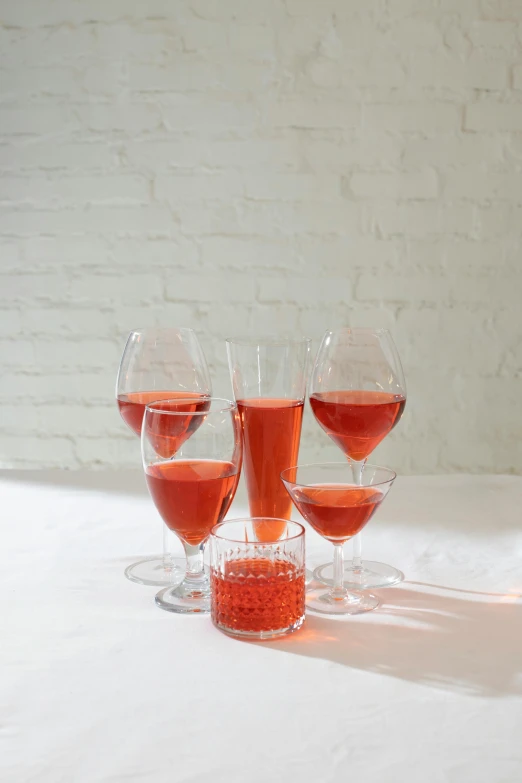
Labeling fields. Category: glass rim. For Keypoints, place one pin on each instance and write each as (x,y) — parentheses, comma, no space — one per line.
(268,341)
(359,330)
(215,530)
(393,475)
(143,329)
(230,405)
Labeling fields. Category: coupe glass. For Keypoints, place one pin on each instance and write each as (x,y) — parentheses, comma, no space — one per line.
(338,502)
(192,462)
(358,394)
(258,585)
(157,364)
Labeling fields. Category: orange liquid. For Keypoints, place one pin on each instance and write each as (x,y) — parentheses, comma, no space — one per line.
(132,406)
(337,512)
(166,433)
(192,495)
(271,435)
(257,595)
(357,421)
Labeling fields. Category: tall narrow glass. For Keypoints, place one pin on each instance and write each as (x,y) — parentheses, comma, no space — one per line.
(357,395)
(192,462)
(269,382)
(157,364)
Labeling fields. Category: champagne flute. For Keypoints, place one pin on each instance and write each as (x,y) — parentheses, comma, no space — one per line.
(269,382)
(160,363)
(192,484)
(357,395)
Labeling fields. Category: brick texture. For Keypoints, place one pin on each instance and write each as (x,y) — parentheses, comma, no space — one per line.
(244,167)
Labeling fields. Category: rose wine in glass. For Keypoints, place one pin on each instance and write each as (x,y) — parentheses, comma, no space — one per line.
(277,589)
(271,433)
(357,421)
(258,584)
(337,512)
(132,406)
(169,435)
(193,488)
(337,502)
(269,383)
(162,364)
(357,395)
(190,494)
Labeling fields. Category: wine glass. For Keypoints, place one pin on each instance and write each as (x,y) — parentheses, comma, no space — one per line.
(358,394)
(192,483)
(337,501)
(160,363)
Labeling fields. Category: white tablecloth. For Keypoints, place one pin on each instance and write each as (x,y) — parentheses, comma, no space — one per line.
(98,684)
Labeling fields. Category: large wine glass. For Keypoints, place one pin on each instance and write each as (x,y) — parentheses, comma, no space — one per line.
(192,483)
(357,395)
(158,364)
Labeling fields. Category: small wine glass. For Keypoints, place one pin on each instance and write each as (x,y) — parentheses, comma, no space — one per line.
(160,363)
(357,395)
(192,481)
(337,502)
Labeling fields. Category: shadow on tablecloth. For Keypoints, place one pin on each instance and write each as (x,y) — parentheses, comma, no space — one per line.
(452,639)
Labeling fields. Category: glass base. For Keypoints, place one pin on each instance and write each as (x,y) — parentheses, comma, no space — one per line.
(322,602)
(186,598)
(371,575)
(261,636)
(152,571)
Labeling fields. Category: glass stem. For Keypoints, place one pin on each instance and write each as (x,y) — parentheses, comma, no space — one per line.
(167,557)
(358,468)
(338,591)
(357,553)
(195,573)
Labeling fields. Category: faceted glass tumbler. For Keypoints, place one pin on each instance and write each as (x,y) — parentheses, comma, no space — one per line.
(257,577)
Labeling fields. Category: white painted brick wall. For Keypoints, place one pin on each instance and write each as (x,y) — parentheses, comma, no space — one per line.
(245,167)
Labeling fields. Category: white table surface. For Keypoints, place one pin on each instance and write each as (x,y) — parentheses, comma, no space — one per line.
(97,684)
